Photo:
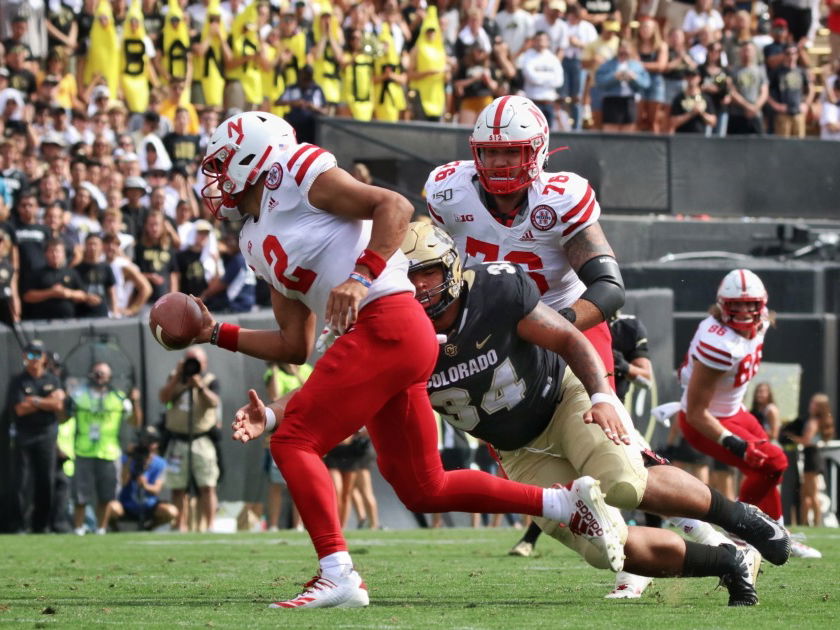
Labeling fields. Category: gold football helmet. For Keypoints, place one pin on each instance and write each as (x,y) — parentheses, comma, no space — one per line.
(426,245)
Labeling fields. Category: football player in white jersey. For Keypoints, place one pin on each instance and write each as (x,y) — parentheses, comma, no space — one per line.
(328,245)
(722,358)
(503,205)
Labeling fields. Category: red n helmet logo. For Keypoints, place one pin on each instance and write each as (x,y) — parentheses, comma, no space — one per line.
(237,127)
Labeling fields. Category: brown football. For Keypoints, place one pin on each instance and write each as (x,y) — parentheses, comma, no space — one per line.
(175,321)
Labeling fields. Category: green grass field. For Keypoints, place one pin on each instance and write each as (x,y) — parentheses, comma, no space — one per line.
(451,578)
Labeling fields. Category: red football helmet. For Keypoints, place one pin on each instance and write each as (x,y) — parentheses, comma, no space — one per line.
(239,151)
(742,287)
(510,122)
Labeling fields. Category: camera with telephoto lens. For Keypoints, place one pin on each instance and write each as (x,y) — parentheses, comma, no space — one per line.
(191,368)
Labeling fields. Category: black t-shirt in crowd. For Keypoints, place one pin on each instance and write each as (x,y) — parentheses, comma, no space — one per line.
(683,103)
(182,148)
(52,308)
(156,260)
(629,339)
(40,422)
(191,272)
(31,241)
(96,278)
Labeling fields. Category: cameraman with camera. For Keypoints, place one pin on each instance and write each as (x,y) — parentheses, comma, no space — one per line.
(142,478)
(99,411)
(192,422)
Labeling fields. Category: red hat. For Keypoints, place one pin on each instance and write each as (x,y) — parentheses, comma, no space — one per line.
(780,22)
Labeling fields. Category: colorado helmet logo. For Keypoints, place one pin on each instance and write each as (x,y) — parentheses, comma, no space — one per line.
(274,177)
(543,217)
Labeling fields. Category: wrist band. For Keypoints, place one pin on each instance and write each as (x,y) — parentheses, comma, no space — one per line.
(723,436)
(270,420)
(600,397)
(373,261)
(228,337)
(361,278)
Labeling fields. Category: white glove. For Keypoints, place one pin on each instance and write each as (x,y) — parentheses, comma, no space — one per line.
(663,413)
(326,339)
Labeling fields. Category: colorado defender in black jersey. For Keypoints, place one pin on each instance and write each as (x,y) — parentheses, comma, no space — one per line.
(502,376)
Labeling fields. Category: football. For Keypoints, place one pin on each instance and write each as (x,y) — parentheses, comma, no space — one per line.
(175,321)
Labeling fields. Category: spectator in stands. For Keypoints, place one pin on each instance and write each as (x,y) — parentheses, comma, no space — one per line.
(99,411)
(306,102)
(715,83)
(702,15)
(581,33)
(135,206)
(749,91)
(797,14)
(679,61)
(515,26)
(473,34)
(599,12)
(428,73)
(54,290)
(810,432)
(97,279)
(830,119)
(692,111)
(542,74)
(142,478)
(357,78)
(234,290)
(131,288)
(30,236)
(155,256)
(180,143)
(195,270)
(54,216)
(84,211)
(790,95)
(191,396)
(621,80)
(594,55)
(833,24)
(774,53)
(653,53)
(37,401)
(765,410)
(476,83)
(9,295)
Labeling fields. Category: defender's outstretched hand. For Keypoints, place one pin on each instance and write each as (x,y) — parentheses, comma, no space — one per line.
(249,422)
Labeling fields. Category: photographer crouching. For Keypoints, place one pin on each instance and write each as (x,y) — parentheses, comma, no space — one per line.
(192,422)
(142,478)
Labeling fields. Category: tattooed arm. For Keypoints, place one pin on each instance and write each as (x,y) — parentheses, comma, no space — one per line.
(546,328)
(587,244)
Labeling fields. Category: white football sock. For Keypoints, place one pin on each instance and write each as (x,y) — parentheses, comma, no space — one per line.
(336,564)
(700,531)
(557,504)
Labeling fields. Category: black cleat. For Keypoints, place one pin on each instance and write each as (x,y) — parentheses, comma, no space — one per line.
(762,532)
(741,582)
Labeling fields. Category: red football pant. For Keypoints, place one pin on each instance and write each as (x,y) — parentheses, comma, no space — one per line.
(600,337)
(760,484)
(376,375)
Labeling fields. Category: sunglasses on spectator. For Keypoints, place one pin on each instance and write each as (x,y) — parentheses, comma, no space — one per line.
(34,356)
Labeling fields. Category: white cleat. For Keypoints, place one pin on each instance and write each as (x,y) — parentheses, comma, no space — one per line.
(753,560)
(522,548)
(628,586)
(599,523)
(348,591)
(801,550)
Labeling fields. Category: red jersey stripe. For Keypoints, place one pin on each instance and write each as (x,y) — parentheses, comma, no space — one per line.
(303,149)
(583,219)
(723,353)
(306,164)
(713,359)
(581,205)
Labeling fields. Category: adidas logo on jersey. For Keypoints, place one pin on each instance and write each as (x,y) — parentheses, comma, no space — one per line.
(528,236)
